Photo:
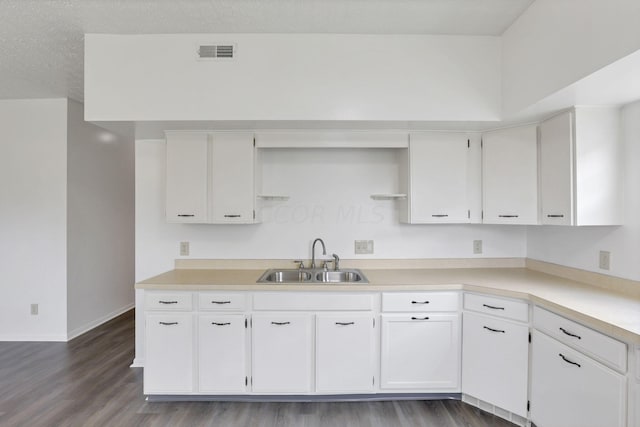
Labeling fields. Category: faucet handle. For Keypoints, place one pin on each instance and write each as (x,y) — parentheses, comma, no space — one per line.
(325,264)
(301,262)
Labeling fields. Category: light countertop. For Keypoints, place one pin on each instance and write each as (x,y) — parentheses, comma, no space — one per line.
(613,313)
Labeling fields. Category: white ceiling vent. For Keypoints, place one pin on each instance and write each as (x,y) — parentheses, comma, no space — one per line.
(216,51)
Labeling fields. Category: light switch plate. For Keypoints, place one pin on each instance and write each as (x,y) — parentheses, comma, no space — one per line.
(363,247)
(477,246)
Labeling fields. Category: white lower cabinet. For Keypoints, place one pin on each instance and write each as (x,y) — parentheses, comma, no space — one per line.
(345,353)
(421,352)
(495,361)
(168,365)
(222,349)
(569,389)
(282,353)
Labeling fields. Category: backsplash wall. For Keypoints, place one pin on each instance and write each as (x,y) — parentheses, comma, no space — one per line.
(329,197)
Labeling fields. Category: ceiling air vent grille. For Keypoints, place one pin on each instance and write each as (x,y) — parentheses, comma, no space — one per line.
(216,51)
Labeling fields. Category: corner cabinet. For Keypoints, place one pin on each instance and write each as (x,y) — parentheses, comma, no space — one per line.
(580,167)
(210,177)
(438,184)
(510,176)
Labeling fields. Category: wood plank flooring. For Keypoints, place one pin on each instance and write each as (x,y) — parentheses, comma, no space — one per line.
(88,382)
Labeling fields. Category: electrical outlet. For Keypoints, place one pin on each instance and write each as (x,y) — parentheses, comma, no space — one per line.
(184,248)
(364,246)
(477,246)
(605,260)
(34,309)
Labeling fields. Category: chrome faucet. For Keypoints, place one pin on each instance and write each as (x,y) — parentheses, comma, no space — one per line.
(313,251)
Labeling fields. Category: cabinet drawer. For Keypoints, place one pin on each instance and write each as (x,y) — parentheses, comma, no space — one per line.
(500,307)
(608,350)
(420,301)
(216,301)
(168,301)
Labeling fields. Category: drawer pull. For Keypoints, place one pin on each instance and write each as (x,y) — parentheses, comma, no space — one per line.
(221,324)
(507,216)
(168,302)
(439,215)
(494,330)
(420,318)
(345,323)
(419,302)
(555,216)
(280,323)
(569,361)
(570,334)
(232,216)
(220,302)
(168,323)
(186,215)
(493,307)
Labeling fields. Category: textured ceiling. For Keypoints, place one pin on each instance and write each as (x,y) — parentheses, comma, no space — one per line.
(41,41)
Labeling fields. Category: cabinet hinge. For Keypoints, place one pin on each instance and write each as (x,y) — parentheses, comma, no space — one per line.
(245,323)
(469,213)
(468,143)
(246,381)
(529,336)
(528,405)
(254,141)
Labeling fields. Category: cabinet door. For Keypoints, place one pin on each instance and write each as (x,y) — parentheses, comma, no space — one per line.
(569,389)
(282,357)
(495,361)
(344,353)
(557,170)
(186,174)
(168,367)
(222,362)
(510,176)
(438,164)
(421,351)
(232,177)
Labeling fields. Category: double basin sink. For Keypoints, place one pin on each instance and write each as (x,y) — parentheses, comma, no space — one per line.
(313,276)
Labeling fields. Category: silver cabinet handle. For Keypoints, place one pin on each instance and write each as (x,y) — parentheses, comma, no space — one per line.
(280,323)
(555,216)
(440,215)
(221,324)
(220,302)
(185,215)
(168,323)
(345,323)
(232,216)
(168,302)
(508,216)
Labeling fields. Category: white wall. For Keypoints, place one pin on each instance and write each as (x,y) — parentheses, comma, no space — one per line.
(329,193)
(579,246)
(100,222)
(555,43)
(33,200)
(293,77)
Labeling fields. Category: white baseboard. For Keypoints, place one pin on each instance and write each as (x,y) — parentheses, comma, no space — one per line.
(87,327)
(137,363)
(34,337)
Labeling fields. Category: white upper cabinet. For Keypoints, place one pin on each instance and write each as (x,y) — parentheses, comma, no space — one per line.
(232,177)
(438,178)
(580,167)
(210,177)
(510,176)
(186,196)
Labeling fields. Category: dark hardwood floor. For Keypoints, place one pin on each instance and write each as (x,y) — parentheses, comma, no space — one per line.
(88,382)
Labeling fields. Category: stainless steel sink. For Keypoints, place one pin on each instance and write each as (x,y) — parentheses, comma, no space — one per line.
(312,276)
(339,276)
(284,276)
